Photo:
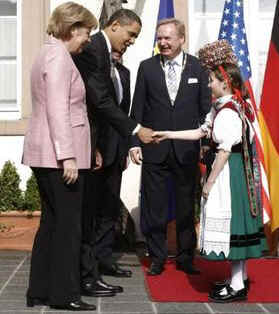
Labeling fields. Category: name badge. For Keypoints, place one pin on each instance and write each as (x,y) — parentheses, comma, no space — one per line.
(192,80)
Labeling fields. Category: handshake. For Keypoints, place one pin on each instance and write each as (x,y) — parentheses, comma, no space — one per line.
(148,136)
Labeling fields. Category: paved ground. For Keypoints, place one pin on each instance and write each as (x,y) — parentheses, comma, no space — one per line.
(14,267)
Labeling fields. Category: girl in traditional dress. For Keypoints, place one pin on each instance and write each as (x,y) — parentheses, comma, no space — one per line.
(231,217)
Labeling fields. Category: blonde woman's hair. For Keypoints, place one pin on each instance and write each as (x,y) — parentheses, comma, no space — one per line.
(180,27)
(68,16)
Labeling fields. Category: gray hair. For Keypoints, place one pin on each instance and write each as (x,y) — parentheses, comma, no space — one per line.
(180,27)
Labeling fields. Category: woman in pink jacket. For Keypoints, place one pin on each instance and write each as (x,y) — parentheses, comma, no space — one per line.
(57,148)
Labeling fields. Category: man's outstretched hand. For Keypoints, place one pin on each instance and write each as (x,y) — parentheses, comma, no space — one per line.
(145,135)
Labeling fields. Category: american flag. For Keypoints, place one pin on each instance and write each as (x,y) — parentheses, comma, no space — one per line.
(233,30)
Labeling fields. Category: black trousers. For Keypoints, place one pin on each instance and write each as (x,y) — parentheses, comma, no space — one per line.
(89,263)
(105,205)
(107,211)
(55,261)
(154,207)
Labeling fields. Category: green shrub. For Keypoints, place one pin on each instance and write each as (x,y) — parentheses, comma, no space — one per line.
(11,197)
(32,197)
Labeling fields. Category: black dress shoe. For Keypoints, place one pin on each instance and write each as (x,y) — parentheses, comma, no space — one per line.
(96,290)
(30,302)
(188,269)
(155,269)
(219,285)
(75,306)
(230,295)
(115,289)
(115,271)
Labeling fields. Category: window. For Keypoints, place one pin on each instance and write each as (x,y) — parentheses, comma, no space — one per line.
(207,6)
(267,5)
(9,62)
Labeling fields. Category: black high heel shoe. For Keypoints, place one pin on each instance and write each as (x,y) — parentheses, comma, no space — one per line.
(30,302)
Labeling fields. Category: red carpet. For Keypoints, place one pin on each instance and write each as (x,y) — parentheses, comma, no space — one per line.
(175,286)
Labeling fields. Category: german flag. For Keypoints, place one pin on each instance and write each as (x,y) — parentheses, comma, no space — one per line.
(269,120)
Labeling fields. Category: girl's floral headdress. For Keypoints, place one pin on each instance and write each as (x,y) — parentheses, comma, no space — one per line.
(217,53)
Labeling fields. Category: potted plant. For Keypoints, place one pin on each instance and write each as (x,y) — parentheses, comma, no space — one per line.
(19,212)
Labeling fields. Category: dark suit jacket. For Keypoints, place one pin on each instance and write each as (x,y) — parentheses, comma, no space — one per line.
(94,66)
(110,143)
(152,107)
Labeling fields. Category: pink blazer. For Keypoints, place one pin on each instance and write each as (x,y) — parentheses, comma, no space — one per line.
(59,127)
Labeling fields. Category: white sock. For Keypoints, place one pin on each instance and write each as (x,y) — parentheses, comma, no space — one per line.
(237,275)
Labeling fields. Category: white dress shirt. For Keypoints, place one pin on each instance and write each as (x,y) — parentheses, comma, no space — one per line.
(178,68)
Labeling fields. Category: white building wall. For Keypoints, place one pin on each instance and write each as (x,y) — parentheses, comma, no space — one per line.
(143,47)
(94,6)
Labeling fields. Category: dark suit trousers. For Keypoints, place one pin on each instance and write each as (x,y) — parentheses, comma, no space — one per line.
(89,264)
(107,207)
(154,209)
(101,210)
(55,261)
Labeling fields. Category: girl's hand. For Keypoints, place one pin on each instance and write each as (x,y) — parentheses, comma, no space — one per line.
(207,188)
(159,136)
(206,128)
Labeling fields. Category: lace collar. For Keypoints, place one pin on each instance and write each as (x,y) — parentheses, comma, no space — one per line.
(221,101)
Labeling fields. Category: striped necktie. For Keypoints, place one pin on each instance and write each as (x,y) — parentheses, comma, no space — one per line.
(171,80)
(115,82)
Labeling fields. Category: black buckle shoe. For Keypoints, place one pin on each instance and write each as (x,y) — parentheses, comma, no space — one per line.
(75,306)
(230,295)
(155,269)
(115,271)
(219,285)
(96,290)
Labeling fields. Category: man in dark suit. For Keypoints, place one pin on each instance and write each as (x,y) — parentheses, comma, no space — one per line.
(171,93)
(114,151)
(95,66)
(94,63)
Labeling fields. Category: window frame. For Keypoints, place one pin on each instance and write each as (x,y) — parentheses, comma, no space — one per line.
(32,30)
(14,113)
